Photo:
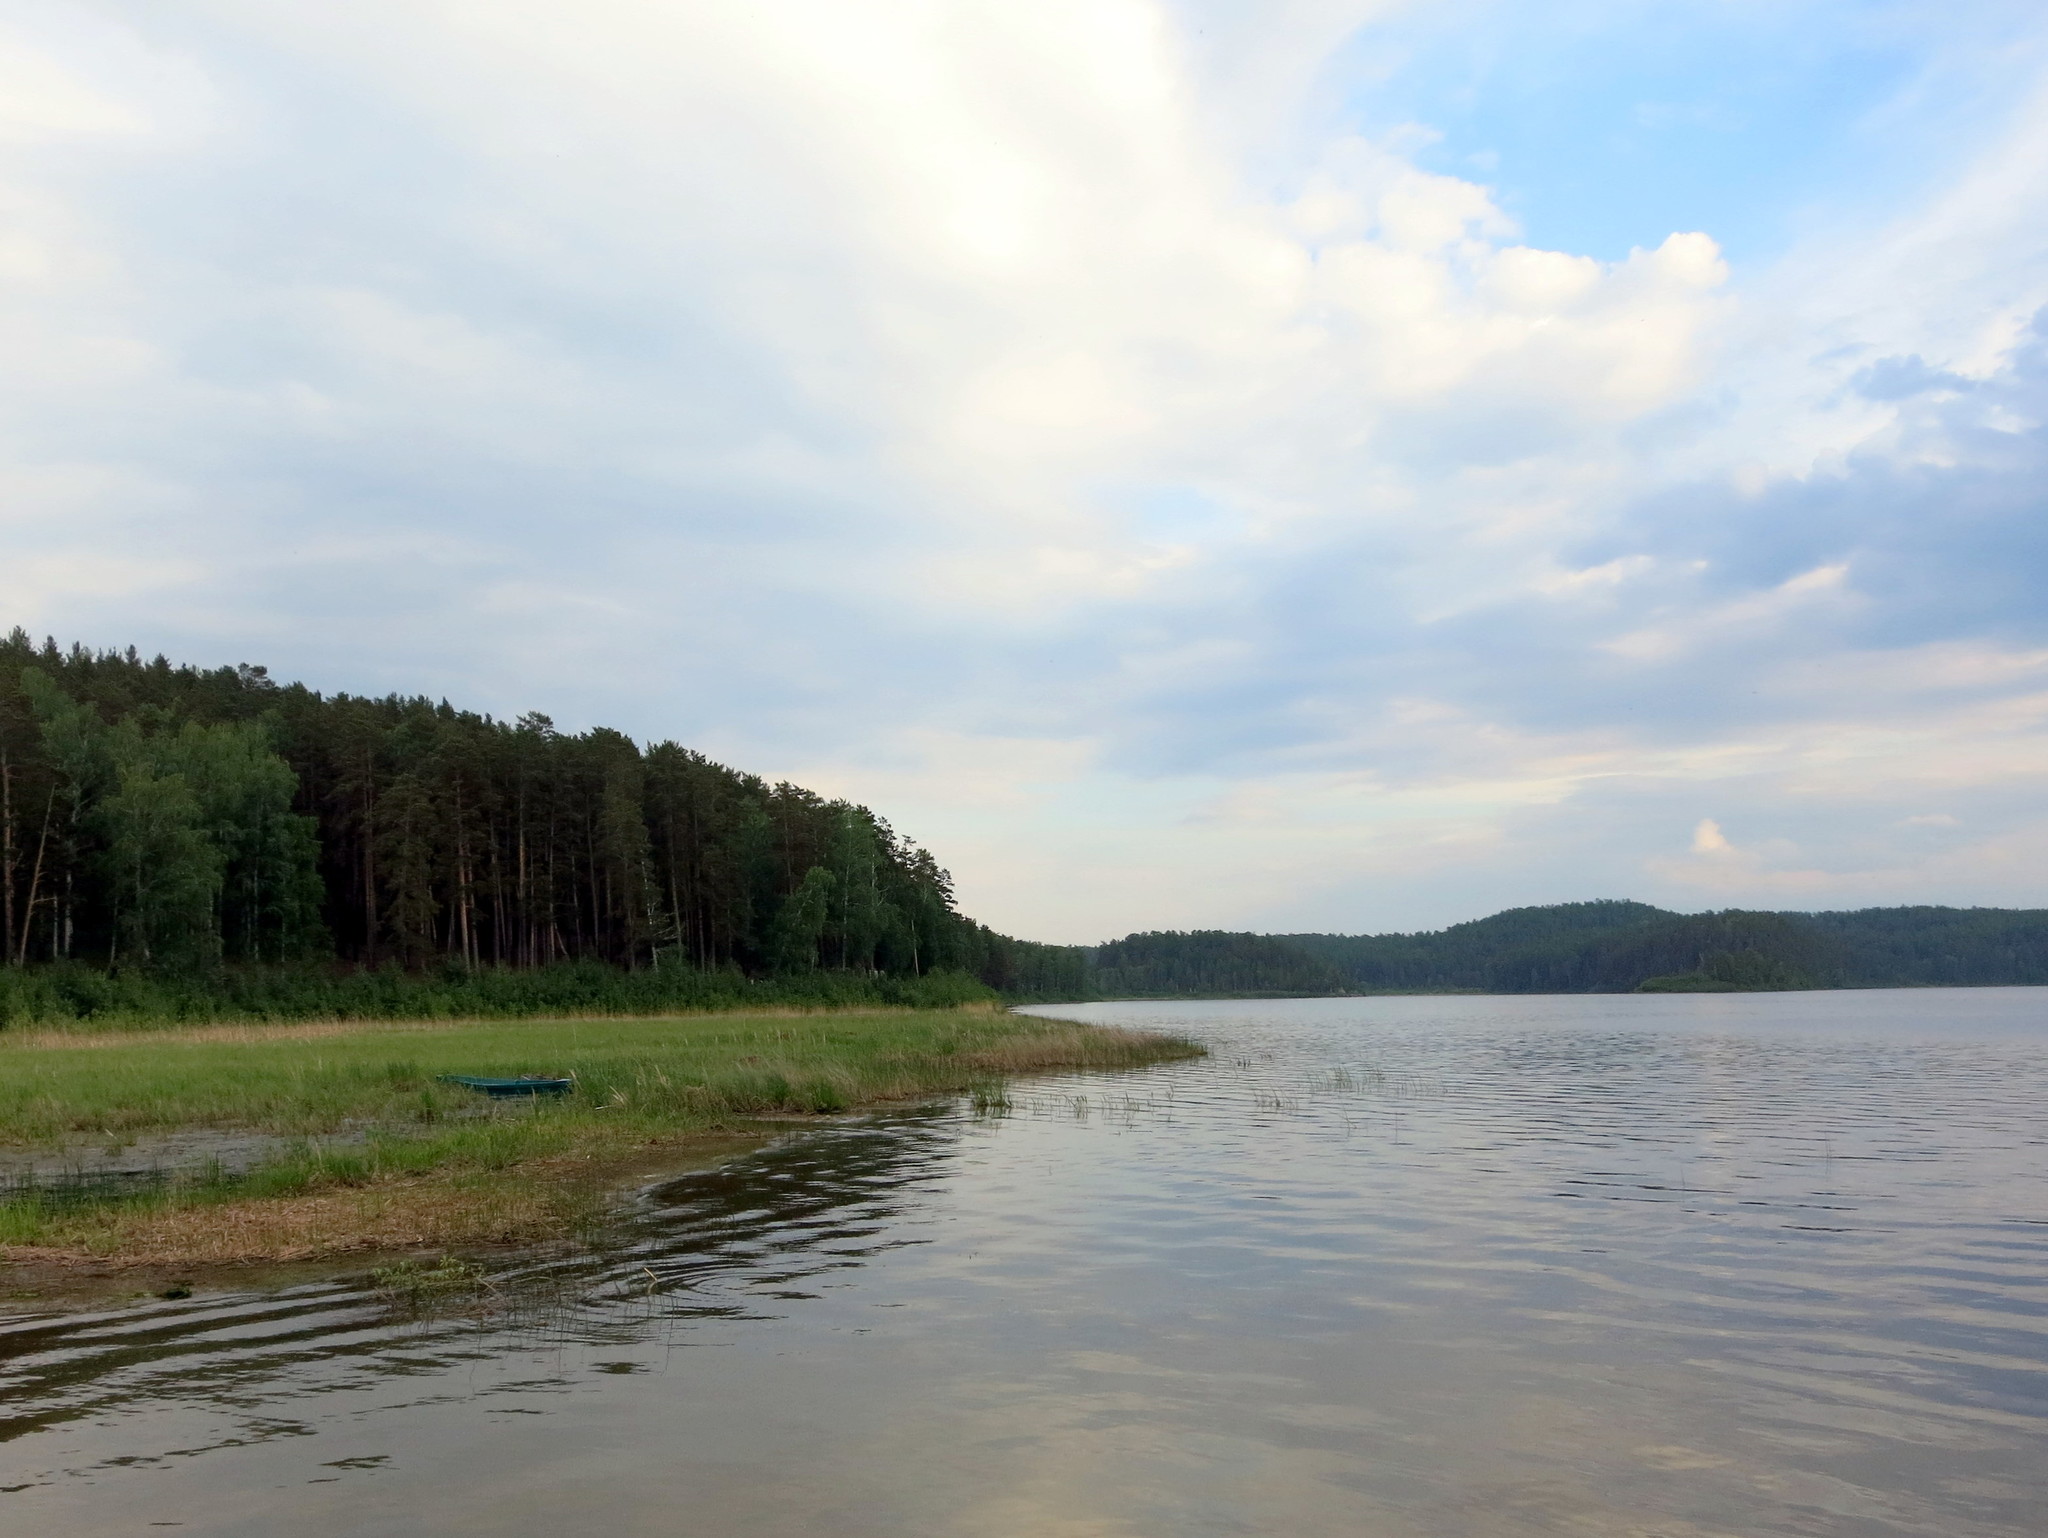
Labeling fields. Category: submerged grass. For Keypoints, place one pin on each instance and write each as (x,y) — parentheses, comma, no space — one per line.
(384,1156)
(416,1281)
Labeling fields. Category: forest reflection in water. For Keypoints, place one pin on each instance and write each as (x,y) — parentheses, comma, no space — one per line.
(1747,1264)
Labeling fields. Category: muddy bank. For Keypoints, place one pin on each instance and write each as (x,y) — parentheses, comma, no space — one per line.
(283,1241)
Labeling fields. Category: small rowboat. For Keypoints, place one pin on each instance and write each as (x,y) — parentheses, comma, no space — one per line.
(525,1084)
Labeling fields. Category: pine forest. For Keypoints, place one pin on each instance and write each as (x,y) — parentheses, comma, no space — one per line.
(176,821)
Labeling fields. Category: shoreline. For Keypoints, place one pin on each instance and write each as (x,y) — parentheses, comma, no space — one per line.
(406,1220)
(433,1173)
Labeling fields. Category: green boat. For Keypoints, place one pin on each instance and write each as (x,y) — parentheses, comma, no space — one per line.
(525,1084)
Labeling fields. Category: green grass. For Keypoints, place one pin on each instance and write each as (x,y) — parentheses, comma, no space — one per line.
(638,1083)
(67,995)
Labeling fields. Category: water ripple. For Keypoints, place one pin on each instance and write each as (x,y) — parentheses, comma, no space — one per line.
(1492,1266)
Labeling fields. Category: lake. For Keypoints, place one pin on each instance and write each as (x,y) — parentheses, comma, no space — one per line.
(1679,1265)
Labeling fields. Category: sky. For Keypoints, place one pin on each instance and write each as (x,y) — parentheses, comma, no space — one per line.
(1298,465)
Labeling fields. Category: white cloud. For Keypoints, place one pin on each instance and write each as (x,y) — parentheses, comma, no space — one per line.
(1759,612)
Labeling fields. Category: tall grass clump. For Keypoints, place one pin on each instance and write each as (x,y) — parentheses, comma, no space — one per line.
(69,995)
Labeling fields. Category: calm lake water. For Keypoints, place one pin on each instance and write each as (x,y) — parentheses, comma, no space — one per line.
(1748,1264)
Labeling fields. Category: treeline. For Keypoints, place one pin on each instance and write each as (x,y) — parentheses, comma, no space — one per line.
(1523,950)
(1206,963)
(1597,947)
(1904,947)
(178,842)
(167,820)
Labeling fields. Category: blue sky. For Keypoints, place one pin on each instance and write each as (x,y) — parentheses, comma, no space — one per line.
(1605,124)
(1314,464)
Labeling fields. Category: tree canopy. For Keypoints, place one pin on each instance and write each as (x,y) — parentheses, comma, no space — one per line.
(163,816)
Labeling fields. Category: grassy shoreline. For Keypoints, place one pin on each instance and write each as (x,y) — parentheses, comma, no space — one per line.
(378,1155)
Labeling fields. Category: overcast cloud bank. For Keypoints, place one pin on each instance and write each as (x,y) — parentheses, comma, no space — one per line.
(1081,431)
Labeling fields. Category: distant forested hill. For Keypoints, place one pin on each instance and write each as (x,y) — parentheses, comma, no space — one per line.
(1207,962)
(1523,950)
(1902,947)
(1598,947)
(173,818)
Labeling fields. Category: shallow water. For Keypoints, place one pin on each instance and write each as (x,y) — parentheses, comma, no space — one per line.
(1756,1264)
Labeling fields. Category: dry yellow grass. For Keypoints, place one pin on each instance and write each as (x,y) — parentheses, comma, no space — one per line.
(548,1198)
(1077,1046)
(86,1040)
(397,1216)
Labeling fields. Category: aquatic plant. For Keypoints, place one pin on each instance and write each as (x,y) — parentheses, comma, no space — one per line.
(416,1281)
(990,1097)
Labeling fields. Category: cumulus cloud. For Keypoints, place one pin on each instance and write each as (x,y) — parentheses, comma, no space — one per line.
(1057,425)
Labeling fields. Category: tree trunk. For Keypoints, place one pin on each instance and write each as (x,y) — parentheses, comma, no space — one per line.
(35,881)
(10,858)
(369,865)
